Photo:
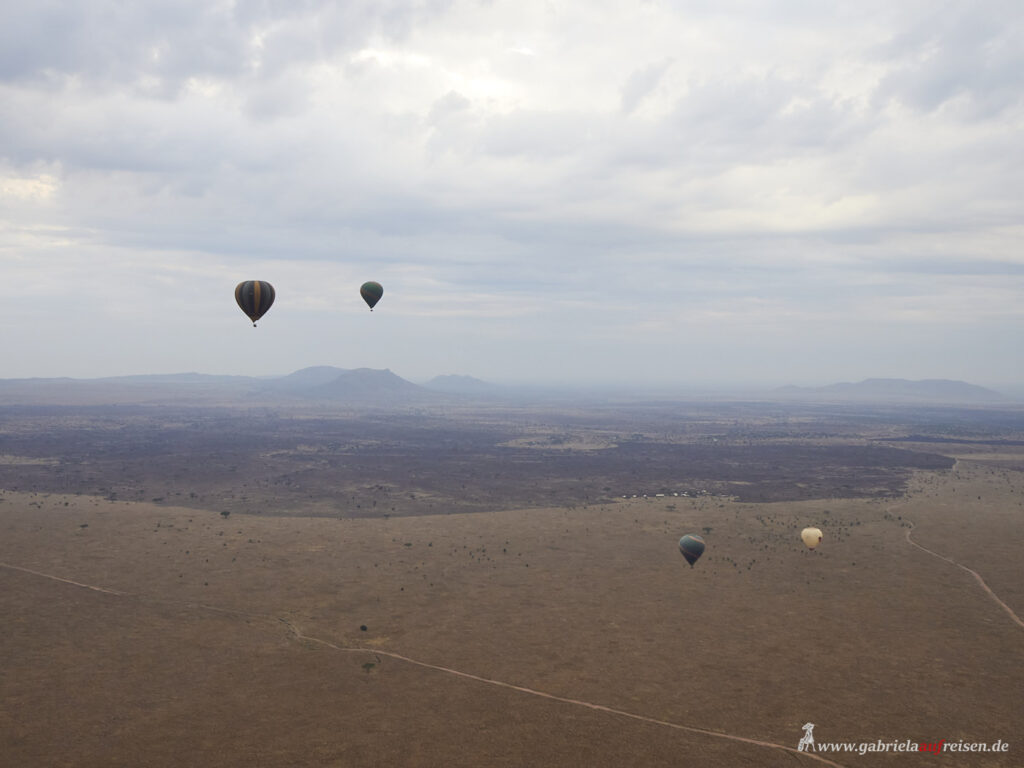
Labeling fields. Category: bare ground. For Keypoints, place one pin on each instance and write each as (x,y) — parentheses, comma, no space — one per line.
(196,664)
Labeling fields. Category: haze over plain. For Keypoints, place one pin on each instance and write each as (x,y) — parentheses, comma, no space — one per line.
(677,192)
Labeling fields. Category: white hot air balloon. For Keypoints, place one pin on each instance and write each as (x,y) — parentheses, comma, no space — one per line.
(811,537)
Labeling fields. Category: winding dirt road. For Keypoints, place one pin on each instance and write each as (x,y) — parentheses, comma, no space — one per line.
(298,635)
(589,705)
(58,578)
(975,574)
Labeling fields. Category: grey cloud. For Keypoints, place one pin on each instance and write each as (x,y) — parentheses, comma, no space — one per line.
(111,41)
(169,41)
(641,82)
(452,103)
(534,133)
(569,210)
(754,120)
(139,138)
(761,116)
(284,96)
(960,265)
(959,51)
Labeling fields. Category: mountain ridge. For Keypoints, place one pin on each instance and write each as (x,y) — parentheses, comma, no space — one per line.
(921,390)
(368,386)
(461,385)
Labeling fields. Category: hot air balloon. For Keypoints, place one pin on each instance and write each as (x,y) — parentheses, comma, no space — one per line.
(371,293)
(255,298)
(811,537)
(691,547)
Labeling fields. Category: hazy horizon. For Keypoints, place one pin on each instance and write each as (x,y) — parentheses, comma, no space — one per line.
(682,194)
(636,386)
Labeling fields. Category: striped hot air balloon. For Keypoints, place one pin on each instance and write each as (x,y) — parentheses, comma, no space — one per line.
(255,298)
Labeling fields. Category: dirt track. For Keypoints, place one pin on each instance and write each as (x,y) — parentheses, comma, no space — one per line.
(975,574)
(505,657)
(298,634)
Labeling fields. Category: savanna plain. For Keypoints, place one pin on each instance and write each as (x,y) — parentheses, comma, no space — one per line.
(490,585)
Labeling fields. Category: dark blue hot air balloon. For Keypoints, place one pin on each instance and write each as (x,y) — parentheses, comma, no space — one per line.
(691,547)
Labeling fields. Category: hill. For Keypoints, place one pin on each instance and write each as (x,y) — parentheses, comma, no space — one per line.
(373,387)
(898,390)
(305,379)
(461,385)
(363,386)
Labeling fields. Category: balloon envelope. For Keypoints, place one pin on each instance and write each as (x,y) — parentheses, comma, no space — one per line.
(255,298)
(371,293)
(691,547)
(811,537)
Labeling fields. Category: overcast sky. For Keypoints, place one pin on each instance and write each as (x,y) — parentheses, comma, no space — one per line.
(663,192)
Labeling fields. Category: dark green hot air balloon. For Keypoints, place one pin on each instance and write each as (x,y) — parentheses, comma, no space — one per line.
(255,298)
(371,293)
(691,547)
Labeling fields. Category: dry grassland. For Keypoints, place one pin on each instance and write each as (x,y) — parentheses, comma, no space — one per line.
(201,661)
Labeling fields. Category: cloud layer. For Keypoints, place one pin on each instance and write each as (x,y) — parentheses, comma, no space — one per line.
(681,192)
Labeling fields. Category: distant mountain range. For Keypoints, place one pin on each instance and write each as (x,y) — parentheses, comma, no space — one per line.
(361,386)
(898,390)
(462,385)
(307,378)
(365,385)
(382,388)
